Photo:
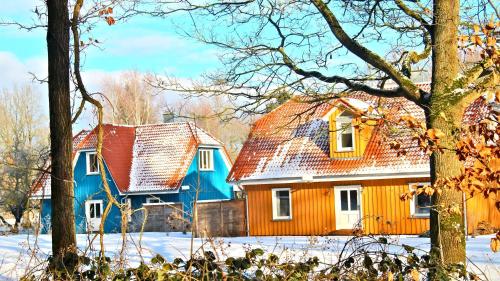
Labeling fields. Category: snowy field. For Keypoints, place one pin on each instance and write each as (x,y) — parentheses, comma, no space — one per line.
(20,252)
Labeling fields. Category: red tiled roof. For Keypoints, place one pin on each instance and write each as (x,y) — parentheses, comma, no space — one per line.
(143,158)
(282,145)
(117,146)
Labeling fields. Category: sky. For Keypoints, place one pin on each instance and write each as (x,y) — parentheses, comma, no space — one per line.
(144,44)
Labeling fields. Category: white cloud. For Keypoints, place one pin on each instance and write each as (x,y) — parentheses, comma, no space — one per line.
(16,72)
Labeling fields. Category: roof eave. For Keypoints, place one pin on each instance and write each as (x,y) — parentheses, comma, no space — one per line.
(332,178)
(150,192)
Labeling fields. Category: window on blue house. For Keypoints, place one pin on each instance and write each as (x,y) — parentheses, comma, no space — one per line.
(92,163)
(206,160)
(153,200)
(128,202)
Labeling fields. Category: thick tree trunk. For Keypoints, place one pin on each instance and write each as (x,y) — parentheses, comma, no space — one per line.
(447,230)
(63,218)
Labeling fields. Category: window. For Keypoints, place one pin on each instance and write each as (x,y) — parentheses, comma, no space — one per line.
(95,210)
(153,200)
(349,200)
(128,202)
(345,132)
(282,204)
(206,162)
(92,163)
(420,204)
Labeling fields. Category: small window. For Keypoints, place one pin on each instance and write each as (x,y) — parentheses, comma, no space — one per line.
(95,210)
(206,162)
(128,203)
(420,205)
(282,204)
(153,200)
(92,163)
(349,200)
(345,132)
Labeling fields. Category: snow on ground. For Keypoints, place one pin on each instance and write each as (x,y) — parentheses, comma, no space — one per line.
(18,253)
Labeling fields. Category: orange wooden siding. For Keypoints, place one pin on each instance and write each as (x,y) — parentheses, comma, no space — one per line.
(481,209)
(313,209)
(385,213)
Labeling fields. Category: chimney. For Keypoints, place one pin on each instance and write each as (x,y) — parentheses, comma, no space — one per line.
(168,117)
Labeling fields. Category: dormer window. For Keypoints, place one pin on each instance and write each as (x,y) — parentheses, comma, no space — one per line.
(92,163)
(345,132)
(206,162)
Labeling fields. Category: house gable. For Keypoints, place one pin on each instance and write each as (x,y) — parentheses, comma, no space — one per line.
(213,184)
(361,129)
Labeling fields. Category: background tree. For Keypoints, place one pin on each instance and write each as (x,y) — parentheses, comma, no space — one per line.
(216,115)
(23,147)
(130,100)
(321,48)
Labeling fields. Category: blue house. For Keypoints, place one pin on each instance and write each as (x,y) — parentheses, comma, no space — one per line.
(171,163)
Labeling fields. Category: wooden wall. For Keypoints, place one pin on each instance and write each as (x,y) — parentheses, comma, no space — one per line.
(313,209)
(481,209)
(222,218)
(384,212)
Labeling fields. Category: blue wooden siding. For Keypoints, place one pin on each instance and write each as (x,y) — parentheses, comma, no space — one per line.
(88,187)
(213,186)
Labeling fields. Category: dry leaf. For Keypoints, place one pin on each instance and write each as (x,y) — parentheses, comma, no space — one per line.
(415,275)
(476,28)
(495,244)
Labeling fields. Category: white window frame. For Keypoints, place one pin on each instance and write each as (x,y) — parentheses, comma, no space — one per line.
(275,202)
(149,199)
(340,129)
(128,202)
(209,152)
(87,208)
(413,200)
(87,161)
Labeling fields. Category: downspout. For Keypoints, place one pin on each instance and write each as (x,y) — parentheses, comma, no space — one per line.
(246,215)
(465,217)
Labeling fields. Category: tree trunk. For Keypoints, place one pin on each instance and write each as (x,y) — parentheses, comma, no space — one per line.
(63,218)
(447,230)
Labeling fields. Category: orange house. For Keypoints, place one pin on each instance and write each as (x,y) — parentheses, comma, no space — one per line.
(317,169)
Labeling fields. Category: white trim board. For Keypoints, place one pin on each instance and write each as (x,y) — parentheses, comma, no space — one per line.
(333,178)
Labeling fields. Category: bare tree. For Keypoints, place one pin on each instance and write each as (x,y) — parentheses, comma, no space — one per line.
(216,115)
(131,100)
(320,48)
(62,193)
(23,146)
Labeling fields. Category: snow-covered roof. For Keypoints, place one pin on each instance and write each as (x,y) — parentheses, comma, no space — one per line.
(286,145)
(143,158)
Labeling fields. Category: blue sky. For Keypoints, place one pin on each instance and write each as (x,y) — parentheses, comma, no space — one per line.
(141,43)
(145,44)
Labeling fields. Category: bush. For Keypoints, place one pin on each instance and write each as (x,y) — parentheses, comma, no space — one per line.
(362,258)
